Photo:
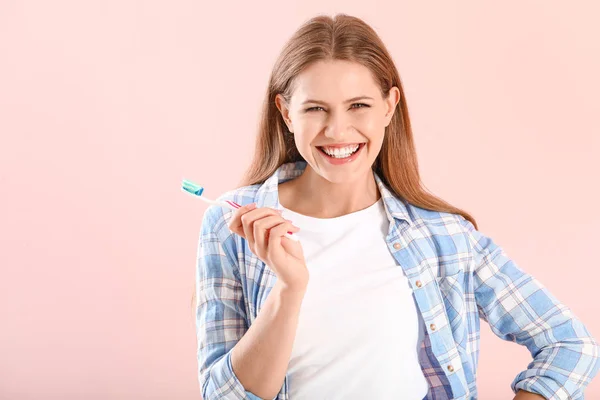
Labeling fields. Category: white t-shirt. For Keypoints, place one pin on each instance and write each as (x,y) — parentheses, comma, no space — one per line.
(359,329)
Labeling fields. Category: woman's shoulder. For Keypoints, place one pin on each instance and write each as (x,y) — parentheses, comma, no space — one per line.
(443,236)
(436,220)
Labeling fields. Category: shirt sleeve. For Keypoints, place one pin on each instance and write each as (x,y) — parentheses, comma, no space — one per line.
(519,308)
(220,311)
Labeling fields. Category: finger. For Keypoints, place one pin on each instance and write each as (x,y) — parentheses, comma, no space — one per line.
(276,234)
(248,220)
(235,224)
(262,228)
(292,247)
(260,232)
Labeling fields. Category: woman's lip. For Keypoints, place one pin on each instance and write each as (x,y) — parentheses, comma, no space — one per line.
(339,161)
(341,145)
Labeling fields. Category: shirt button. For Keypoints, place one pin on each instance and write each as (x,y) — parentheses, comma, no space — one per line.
(432,327)
(397,245)
(450,368)
(418,283)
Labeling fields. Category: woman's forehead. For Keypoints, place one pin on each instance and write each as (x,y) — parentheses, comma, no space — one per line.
(327,82)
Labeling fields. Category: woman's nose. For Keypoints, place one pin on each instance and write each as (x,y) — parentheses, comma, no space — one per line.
(337,127)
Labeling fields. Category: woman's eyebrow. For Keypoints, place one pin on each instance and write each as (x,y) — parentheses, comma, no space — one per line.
(347,101)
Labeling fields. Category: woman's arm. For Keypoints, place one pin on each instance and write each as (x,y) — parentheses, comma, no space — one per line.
(237,362)
(261,357)
(518,308)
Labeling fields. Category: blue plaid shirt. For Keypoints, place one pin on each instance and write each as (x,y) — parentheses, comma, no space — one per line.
(458,276)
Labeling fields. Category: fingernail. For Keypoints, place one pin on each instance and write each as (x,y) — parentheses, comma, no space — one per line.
(252,205)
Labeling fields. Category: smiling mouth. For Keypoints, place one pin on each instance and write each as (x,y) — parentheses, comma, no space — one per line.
(360,146)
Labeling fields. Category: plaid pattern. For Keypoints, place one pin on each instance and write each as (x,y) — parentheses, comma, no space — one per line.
(458,276)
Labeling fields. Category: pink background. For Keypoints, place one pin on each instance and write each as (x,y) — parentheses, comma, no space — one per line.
(105,106)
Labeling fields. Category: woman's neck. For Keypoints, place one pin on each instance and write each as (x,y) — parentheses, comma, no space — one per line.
(312,195)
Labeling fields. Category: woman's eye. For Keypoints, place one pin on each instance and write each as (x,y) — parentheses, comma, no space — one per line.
(355,104)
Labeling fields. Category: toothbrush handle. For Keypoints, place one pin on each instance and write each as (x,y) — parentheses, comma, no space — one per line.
(232,205)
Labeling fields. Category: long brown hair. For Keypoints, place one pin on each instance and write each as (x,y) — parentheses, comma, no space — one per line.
(348,38)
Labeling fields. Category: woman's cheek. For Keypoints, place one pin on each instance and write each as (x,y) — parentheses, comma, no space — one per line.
(366,123)
(312,126)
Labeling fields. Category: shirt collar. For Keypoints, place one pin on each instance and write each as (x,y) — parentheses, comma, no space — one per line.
(268,196)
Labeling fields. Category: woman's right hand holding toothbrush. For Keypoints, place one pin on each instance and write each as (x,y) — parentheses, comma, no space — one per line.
(264,229)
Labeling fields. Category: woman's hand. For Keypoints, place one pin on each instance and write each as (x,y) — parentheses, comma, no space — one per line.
(264,229)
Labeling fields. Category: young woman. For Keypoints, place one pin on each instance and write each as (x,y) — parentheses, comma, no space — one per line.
(383,295)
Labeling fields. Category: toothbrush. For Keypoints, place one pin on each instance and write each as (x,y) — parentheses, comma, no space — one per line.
(196,190)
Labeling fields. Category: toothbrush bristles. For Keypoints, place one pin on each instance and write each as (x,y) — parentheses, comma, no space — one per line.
(192,188)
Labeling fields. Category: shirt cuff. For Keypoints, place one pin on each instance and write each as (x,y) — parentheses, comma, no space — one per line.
(224,384)
(546,386)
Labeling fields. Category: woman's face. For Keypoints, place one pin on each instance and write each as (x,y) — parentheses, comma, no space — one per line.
(338,104)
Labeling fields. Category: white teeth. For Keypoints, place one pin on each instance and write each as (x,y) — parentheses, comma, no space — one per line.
(340,152)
